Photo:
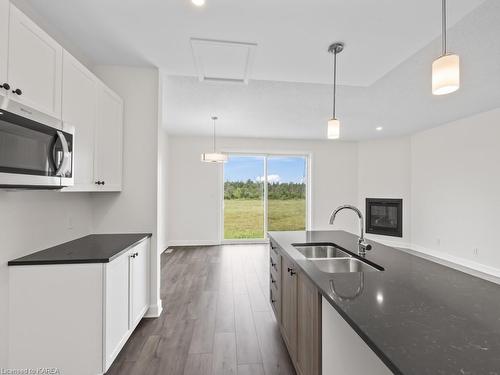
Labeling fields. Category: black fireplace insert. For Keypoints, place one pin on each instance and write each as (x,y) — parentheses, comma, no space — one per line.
(384,216)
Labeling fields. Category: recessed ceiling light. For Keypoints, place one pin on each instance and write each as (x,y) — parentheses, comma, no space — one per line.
(378,128)
(198,3)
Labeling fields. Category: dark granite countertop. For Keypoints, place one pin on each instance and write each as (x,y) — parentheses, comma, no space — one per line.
(418,316)
(94,248)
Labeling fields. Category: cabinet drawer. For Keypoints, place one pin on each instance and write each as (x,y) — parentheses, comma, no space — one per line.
(275,261)
(275,299)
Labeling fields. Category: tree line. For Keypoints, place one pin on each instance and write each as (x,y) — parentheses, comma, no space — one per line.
(255,190)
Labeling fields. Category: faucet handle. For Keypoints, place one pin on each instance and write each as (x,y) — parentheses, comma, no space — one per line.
(363,247)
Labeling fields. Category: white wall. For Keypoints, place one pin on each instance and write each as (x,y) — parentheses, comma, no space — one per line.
(456,190)
(135,208)
(384,172)
(162,189)
(195,187)
(32,221)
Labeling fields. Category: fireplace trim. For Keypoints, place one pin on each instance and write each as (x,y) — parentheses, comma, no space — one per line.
(398,232)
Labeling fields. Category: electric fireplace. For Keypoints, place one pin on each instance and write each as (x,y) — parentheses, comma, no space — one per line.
(384,216)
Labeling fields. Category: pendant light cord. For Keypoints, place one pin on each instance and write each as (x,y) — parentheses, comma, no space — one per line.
(214,135)
(444,27)
(334,80)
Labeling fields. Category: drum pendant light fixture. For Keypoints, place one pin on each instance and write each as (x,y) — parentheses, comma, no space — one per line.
(214,157)
(445,69)
(334,124)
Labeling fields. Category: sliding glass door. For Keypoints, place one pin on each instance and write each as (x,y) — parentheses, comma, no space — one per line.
(244,206)
(286,193)
(264,192)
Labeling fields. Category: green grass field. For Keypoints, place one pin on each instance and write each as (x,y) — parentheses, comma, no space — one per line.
(245,218)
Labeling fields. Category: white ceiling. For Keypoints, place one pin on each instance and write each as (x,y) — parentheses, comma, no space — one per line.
(384,70)
(401,101)
(292,35)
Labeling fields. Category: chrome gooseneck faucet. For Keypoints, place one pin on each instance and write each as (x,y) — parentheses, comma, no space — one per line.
(362,245)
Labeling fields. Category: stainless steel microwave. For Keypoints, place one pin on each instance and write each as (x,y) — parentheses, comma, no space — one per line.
(34,155)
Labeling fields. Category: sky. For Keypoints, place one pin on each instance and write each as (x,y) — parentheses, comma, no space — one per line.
(279,168)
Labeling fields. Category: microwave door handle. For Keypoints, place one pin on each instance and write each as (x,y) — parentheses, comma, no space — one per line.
(64,143)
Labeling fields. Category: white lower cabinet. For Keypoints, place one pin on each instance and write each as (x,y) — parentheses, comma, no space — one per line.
(345,348)
(117,307)
(76,317)
(140,283)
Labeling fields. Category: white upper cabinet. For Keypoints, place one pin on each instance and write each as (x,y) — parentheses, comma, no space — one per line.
(34,69)
(79,109)
(4,42)
(109,140)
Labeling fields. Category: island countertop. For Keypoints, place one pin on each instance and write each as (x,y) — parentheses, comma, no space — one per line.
(418,316)
(94,248)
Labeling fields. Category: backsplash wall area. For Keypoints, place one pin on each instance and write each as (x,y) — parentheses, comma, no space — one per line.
(31,221)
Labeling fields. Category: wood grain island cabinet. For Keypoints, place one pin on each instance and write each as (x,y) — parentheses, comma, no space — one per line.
(297,306)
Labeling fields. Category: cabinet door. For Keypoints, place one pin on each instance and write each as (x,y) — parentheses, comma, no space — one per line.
(4,42)
(308,327)
(289,305)
(117,321)
(79,109)
(109,140)
(140,281)
(34,65)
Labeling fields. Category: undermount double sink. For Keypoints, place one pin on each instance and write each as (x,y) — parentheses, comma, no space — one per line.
(331,259)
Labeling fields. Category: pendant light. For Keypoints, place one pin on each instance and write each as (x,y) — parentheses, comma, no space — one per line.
(334,123)
(214,157)
(445,69)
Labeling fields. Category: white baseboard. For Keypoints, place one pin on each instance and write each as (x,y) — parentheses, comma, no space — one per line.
(154,311)
(193,243)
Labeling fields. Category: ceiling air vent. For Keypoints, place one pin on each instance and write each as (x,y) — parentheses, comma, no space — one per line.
(223,61)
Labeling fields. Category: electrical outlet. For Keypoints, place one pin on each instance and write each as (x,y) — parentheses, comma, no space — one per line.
(475,251)
(69,223)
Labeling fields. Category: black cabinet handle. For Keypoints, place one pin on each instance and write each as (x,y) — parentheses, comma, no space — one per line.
(5,86)
(291,271)
(273,300)
(272,280)
(103,182)
(98,182)
(17,91)
(273,264)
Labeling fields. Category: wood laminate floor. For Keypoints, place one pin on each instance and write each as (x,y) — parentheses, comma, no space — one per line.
(216,318)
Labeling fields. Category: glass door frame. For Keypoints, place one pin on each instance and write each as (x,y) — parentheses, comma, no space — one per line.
(266,156)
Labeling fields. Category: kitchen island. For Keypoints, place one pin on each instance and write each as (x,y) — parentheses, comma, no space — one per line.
(416,316)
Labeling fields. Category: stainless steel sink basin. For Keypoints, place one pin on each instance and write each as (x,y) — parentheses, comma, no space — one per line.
(342,265)
(320,251)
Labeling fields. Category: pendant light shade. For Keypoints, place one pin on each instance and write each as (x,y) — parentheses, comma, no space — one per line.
(333,130)
(445,69)
(446,74)
(214,157)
